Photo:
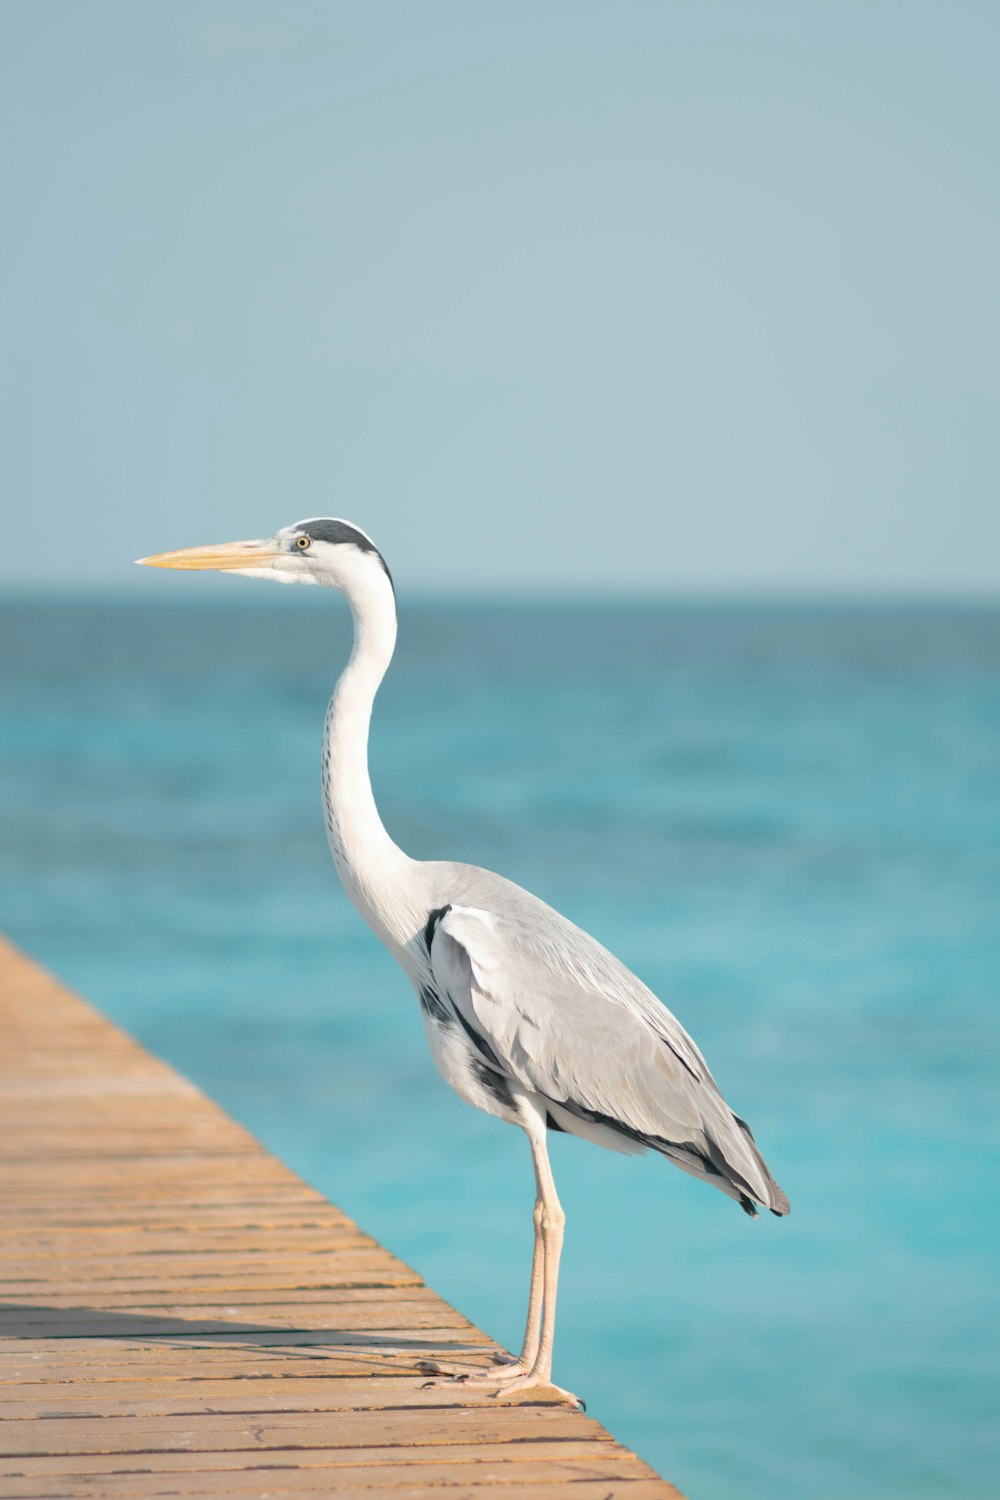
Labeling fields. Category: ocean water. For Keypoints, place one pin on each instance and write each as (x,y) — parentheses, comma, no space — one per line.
(786,819)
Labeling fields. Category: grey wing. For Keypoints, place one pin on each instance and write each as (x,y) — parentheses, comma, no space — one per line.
(555,1012)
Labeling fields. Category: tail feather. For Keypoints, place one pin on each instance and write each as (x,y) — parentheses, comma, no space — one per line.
(727,1159)
(773,1198)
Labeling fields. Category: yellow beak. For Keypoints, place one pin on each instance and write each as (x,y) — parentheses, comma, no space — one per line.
(223,557)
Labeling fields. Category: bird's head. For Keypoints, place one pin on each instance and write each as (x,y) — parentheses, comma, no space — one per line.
(322,550)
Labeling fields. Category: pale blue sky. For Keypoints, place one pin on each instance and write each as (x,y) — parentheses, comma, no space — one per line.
(665,295)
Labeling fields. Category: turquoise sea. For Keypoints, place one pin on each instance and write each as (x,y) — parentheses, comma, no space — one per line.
(785,818)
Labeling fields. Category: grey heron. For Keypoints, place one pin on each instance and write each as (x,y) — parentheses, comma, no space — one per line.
(528,1017)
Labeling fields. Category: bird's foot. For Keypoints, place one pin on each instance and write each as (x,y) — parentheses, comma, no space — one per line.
(533,1380)
(504,1367)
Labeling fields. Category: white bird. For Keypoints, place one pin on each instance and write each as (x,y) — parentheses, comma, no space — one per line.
(528,1017)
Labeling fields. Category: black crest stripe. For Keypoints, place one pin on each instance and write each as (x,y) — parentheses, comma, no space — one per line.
(341,531)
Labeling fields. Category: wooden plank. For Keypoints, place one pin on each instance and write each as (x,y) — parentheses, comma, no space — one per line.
(477,1417)
(267,1481)
(368,1476)
(181,1315)
(130,1361)
(562,1450)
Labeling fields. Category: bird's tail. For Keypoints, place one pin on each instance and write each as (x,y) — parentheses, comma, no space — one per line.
(747,1170)
(729,1160)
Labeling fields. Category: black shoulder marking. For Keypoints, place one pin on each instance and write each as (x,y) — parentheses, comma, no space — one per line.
(494,1083)
(433,922)
(433,1006)
(341,531)
(551,1124)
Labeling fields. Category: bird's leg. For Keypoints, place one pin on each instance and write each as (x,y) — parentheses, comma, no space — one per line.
(534,1367)
(504,1368)
(533,1323)
(552,1222)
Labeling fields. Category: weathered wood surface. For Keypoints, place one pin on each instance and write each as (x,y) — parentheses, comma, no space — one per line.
(180,1315)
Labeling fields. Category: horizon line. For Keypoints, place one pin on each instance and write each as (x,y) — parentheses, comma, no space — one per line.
(186,593)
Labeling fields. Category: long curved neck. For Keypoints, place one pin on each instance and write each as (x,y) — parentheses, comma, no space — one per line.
(368,862)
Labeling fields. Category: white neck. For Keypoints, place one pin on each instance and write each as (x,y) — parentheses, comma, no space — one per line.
(370,865)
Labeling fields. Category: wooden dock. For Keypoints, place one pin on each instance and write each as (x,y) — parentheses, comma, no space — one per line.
(180,1315)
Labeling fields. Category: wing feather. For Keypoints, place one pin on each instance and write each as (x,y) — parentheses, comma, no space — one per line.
(561,1016)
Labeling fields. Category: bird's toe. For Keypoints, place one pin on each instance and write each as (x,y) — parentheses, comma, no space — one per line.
(503,1367)
(530,1381)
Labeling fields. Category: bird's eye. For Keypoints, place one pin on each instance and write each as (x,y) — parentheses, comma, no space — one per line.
(303,542)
